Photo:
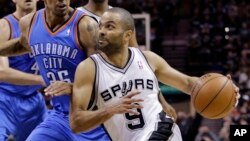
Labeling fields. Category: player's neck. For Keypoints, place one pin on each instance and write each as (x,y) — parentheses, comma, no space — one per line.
(97,9)
(118,59)
(55,21)
(20,13)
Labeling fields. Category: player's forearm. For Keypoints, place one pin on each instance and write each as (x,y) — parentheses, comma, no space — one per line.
(81,121)
(163,102)
(186,84)
(12,48)
(17,77)
(191,82)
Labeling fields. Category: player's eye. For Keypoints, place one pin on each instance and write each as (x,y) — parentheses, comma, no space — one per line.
(110,27)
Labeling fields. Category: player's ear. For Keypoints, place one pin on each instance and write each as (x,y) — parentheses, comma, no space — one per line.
(128,34)
(14,1)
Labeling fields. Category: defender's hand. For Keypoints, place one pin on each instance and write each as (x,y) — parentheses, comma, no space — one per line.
(58,88)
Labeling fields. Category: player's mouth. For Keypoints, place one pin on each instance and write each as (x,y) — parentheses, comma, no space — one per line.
(100,42)
(28,1)
(62,6)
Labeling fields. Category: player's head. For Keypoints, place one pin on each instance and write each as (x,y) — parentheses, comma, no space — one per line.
(57,7)
(116,29)
(25,5)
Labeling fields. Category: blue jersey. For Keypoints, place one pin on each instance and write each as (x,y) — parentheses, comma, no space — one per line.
(24,63)
(57,53)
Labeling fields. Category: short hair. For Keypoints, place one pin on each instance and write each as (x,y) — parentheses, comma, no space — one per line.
(126,17)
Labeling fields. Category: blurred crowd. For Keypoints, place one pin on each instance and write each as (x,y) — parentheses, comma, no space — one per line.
(218,41)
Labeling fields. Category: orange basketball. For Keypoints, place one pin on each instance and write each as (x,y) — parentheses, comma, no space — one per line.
(213,96)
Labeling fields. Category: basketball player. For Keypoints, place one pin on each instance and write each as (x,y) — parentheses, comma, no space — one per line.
(96,8)
(123,83)
(22,108)
(59,37)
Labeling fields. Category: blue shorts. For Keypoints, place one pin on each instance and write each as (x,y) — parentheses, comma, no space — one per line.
(56,128)
(20,115)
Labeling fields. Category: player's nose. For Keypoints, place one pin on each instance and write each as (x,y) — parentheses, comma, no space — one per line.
(101,32)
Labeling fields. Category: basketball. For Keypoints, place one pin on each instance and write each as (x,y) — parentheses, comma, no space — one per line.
(213,96)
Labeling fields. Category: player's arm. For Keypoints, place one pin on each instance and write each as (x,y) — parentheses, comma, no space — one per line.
(169,110)
(168,75)
(6,72)
(17,77)
(88,31)
(88,34)
(18,46)
(82,119)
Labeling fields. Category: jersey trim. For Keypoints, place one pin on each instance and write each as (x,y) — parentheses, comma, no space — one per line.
(94,19)
(93,99)
(32,25)
(77,34)
(61,27)
(83,8)
(90,13)
(121,70)
(10,25)
(15,17)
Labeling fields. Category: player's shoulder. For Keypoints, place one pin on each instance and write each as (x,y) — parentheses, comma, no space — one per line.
(88,19)
(149,54)
(5,29)
(81,8)
(27,19)
(4,23)
(146,53)
(152,58)
(87,22)
(87,63)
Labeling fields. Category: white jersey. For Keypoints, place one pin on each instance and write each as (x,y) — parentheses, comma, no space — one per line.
(90,13)
(112,83)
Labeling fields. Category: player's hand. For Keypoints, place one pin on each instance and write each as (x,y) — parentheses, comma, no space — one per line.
(41,90)
(237,95)
(170,111)
(237,91)
(58,88)
(126,104)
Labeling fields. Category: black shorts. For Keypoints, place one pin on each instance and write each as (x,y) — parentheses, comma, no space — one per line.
(164,129)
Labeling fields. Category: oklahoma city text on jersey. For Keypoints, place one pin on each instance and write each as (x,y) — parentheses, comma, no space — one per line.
(53,49)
